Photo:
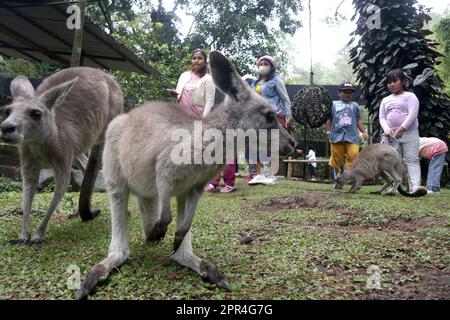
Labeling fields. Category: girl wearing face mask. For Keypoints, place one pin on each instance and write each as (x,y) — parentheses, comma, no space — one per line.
(270,86)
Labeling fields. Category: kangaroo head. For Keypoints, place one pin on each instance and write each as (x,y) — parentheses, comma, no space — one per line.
(343,178)
(251,111)
(30,117)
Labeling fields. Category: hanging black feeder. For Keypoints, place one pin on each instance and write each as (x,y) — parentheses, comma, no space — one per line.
(312,106)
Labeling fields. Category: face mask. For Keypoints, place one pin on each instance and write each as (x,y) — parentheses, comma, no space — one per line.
(263,70)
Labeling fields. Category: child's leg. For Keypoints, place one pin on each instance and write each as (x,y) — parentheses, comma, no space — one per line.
(352,151)
(216,181)
(337,156)
(267,170)
(265,161)
(229,175)
(410,149)
(258,168)
(434,172)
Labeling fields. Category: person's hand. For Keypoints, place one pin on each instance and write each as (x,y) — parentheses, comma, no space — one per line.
(399,133)
(172,92)
(365,136)
(389,132)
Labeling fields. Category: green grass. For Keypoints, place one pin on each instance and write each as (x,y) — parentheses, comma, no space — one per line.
(308,242)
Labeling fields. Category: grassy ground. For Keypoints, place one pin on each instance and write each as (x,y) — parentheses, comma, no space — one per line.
(295,240)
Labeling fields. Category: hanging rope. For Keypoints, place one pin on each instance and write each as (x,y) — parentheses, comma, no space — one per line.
(311,73)
(312,104)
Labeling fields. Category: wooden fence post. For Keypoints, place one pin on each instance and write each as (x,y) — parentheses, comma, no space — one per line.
(78,37)
(289,169)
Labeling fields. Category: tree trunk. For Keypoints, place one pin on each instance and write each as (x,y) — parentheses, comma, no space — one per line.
(78,37)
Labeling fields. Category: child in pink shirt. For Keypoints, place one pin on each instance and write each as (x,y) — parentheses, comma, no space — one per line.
(398,118)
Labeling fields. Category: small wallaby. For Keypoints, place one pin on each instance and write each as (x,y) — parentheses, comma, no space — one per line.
(66,116)
(137,159)
(377,159)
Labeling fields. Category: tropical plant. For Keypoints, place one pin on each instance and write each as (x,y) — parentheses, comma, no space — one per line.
(442,31)
(399,41)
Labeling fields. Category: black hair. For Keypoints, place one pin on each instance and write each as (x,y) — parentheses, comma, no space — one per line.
(205,56)
(203,53)
(311,147)
(395,75)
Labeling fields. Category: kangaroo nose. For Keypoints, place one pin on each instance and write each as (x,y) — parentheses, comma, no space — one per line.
(8,128)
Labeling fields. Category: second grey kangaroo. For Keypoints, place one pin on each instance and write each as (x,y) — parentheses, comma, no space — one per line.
(137,159)
(66,116)
(376,159)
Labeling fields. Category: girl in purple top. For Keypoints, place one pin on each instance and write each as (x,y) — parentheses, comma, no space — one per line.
(398,118)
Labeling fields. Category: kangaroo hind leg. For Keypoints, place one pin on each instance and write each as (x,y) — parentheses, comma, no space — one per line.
(118,249)
(184,254)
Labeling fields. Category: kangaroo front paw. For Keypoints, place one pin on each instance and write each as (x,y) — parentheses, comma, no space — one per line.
(157,233)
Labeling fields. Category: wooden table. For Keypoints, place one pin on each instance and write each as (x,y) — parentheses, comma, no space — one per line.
(291,163)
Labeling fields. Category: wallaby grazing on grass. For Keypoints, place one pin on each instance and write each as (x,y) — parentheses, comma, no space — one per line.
(378,158)
(66,115)
(137,159)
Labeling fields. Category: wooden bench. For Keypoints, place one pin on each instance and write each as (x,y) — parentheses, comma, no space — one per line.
(291,163)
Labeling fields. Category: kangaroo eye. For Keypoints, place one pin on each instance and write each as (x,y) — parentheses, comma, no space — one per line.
(6,113)
(271,117)
(36,115)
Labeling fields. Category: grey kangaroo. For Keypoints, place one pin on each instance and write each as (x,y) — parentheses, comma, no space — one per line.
(137,159)
(376,159)
(66,116)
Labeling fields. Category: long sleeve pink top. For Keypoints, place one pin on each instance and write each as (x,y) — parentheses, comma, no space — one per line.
(399,110)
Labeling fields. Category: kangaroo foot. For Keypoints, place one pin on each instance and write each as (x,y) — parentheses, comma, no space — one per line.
(24,238)
(85,216)
(210,273)
(19,241)
(157,233)
(97,275)
(36,241)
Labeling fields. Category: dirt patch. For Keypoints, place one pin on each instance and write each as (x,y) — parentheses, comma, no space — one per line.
(412,225)
(291,202)
(432,284)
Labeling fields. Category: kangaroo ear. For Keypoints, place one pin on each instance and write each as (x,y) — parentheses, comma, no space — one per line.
(226,78)
(56,95)
(21,87)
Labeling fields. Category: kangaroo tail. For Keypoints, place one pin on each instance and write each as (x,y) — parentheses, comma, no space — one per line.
(419,193)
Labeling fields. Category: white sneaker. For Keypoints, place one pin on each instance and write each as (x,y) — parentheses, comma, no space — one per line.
(433,192)
(421,191)
(260,179)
